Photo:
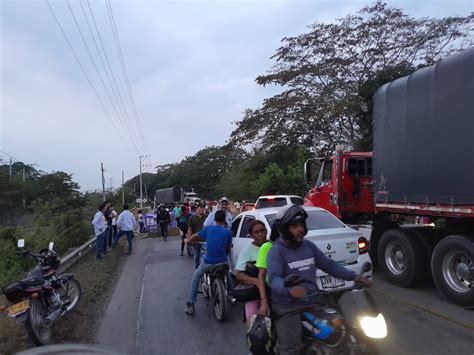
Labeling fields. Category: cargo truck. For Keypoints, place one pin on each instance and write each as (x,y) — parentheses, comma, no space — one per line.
(172,195)
(413,196)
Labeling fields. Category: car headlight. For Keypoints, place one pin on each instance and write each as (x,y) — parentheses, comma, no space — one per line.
(374,327)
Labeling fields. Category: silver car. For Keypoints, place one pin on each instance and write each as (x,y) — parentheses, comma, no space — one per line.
(339,242)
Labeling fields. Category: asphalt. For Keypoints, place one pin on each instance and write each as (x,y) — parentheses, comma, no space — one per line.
(146,313)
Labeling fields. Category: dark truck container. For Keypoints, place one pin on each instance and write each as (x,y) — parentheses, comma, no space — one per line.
(424,135)
(413,197)
(169,195)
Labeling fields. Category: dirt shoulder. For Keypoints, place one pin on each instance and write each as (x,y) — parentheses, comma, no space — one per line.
(98,280)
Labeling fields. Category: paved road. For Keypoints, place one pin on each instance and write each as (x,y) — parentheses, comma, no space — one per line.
(146,314)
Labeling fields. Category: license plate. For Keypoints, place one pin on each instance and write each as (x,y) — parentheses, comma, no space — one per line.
(331,282)
(18,308)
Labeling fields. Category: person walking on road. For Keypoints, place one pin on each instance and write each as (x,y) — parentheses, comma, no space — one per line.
(114,223)
(224,206)
(100,230)
(183,223)
(164,219)
(196,223)
(141,222)
(219,242)
(126,222)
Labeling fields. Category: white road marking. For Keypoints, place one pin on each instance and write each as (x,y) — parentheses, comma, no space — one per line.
(140,305)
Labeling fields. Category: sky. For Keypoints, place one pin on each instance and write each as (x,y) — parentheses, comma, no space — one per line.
(191,66)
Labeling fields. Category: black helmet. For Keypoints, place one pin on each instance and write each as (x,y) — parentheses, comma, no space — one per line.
(259,335)
(287,216)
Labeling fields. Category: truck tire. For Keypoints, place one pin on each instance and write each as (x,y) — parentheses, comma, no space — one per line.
(402,257)
(452,266)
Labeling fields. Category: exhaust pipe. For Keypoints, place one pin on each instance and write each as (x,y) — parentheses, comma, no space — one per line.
(231,299)
(48,321)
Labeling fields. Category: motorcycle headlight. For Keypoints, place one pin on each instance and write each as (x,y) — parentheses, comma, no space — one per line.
(374,327)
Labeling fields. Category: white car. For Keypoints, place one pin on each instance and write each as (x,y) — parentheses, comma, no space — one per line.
(339,242)
(273,201)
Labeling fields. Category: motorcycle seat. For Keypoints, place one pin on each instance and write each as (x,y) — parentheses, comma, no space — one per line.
(219,268)
(32,281)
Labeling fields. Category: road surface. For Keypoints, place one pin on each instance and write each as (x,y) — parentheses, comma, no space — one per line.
(146,313)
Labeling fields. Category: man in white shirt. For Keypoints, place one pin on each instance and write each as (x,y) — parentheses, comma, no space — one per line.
(224,205)
(100,230)
(126,222)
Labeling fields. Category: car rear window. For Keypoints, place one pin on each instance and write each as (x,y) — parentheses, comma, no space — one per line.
(297,200)
(271,202)
(316,220)
(322,220)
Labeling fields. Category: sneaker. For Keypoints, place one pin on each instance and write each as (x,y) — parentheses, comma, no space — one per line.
(190,308)
(129,252)
(181,254)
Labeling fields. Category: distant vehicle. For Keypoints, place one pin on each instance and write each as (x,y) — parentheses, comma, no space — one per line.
(278,201)
(341,243)
(172,195)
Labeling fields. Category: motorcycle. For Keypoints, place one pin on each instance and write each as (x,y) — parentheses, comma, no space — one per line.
(347,323)
(43,296)
(214,287)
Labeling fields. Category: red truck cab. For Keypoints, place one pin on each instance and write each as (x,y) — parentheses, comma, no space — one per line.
(342,185)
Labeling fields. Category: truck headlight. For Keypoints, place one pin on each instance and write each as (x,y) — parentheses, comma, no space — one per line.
(374,327)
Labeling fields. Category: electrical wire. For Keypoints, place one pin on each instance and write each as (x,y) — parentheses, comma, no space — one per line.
(87,77)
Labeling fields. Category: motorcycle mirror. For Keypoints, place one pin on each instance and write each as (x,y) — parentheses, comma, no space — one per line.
(366,267)
(21,243)
(293,280)
(51,245)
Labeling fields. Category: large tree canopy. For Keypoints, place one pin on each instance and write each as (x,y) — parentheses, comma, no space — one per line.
(330,73)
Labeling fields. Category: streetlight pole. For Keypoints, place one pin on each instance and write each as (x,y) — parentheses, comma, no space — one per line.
(141,183)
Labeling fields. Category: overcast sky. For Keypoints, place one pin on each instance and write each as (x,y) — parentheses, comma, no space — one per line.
(191,67)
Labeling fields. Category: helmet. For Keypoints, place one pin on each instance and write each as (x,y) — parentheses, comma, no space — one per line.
(223,199)
(259,335)
(287,216)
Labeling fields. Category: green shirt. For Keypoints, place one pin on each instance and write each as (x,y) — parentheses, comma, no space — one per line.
(248,254)
(262,255)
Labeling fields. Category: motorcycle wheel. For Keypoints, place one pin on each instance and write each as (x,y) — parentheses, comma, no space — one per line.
(72,293)
(39,334)
(220,299)
(190,250)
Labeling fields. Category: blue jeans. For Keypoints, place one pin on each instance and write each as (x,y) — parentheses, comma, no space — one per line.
(197,254)
(99,244)
(129,238)
(201,270)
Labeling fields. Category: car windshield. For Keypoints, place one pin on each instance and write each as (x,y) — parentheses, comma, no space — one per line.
(316,220)
(271,202)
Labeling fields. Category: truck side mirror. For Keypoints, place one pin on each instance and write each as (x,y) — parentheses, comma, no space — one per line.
(307,172)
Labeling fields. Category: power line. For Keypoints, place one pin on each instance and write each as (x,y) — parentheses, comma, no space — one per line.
(124,70)
(122,120)
(106,57)
(85,74)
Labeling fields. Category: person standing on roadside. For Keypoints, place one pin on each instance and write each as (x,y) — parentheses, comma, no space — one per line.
(114,223)
(100,230)
(224,206)
(163,219)
(196,223)
(183,223)
(126,222)
(141,221)
(108,218)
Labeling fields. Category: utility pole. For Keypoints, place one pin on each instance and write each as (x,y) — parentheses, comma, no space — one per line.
(103,180)
(111,184)
(141,183)
(11,166)
(123,191)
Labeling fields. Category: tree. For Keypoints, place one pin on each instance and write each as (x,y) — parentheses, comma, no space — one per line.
(329,74)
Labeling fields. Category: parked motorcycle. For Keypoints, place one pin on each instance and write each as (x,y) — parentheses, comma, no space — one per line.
(43,296)
(214,287)
(348,323)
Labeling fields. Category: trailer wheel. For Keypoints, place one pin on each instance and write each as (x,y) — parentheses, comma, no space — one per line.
(402,257)
(452,266)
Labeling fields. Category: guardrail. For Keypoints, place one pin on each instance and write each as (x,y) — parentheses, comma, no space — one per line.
(74,256)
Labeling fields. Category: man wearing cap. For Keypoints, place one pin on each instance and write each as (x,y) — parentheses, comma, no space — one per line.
(196,223)
(224,205)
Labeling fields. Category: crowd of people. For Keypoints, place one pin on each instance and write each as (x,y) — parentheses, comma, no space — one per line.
(260,269)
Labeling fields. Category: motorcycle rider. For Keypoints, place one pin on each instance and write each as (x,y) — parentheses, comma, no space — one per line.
(292,254)
(219,242)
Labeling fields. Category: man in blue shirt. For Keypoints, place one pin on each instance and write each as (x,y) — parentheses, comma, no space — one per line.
(224,206)
(219,242)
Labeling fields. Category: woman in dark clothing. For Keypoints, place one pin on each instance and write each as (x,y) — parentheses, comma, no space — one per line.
(164,219)
(183,222)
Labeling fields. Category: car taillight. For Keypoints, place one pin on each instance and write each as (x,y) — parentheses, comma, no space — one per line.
(363,245)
